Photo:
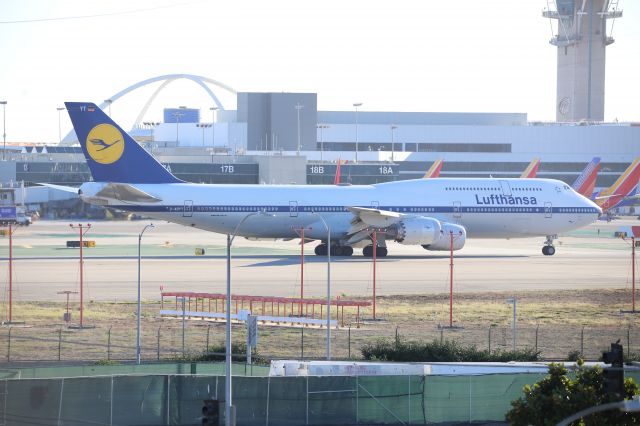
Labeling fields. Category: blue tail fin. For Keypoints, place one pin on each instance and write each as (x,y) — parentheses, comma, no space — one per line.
(113,155)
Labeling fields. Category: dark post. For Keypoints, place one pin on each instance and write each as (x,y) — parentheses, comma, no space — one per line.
(614,375)
(109,344)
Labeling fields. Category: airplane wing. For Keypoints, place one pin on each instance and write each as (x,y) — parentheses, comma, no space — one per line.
(364,218)
(126,193)
(69,189)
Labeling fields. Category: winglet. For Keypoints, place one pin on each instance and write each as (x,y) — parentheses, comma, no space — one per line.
(112,155)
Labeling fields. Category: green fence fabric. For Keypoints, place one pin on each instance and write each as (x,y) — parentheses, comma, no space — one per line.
(211,368)
(168,399)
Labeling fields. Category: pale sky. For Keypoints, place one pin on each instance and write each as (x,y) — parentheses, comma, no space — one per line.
(461,56)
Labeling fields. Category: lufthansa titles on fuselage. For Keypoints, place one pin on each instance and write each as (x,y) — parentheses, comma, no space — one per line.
(495,199)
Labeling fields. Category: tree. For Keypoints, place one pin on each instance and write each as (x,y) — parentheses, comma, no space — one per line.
(558,396)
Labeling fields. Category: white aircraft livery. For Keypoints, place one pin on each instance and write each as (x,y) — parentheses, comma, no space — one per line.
(435,213)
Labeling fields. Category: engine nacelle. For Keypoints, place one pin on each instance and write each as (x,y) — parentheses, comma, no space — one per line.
(443,240)
(418,230)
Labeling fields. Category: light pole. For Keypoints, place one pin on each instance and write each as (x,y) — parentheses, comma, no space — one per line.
(60,109)
(213,126)
(109,102)
(328,285)
(4,128)
(356,105)
(393,127)
(83,229)
(203,126)
(298,107)
(227,398)
(139,310)
(151,125)
(177,116)
(322,127)
(514,302)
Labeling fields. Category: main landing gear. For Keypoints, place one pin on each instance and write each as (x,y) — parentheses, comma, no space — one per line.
(548,249)
(367,251)
(321,250)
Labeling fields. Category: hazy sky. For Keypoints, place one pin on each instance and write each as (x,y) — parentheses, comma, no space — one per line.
(463,55)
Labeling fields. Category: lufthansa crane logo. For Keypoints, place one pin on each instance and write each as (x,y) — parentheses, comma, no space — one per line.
(105,144)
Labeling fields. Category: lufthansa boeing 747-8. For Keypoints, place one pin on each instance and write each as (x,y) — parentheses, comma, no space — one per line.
(433,213)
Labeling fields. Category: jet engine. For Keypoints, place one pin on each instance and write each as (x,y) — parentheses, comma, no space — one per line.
(443,240)
(418,230)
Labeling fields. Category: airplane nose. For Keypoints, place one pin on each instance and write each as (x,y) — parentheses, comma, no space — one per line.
(591,204)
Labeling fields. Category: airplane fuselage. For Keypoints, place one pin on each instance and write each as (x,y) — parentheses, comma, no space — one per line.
(486,208)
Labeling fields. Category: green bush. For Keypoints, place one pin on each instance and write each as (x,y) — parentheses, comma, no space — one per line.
(217,353)
(557,397)
(106,362)
(399,350)
(574,356)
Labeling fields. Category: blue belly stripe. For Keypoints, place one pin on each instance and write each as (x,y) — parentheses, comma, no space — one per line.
(338,209)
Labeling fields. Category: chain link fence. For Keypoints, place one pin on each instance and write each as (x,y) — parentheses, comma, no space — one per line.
(170,341)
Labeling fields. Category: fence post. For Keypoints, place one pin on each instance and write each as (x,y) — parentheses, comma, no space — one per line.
(490,339)
(537,327)
(582,342)
(59,343)
(302,342)
(441,335)
(397,337)
(9,346)
(109,344)
(158,343)
(349,342)
(208,329)
(628,341)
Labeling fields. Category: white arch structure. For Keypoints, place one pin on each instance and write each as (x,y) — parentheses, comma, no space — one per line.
(201,81)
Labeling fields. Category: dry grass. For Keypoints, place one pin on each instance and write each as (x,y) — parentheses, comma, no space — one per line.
(562,321)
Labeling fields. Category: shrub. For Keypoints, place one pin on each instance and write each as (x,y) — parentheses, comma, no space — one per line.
(557,396)
(399,350)
(574,356)
(106,362)
(217,353)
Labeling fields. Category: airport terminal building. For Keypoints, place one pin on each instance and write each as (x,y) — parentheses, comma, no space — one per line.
(282,138)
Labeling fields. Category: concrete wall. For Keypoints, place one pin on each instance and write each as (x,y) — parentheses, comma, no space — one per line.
(283,170)
(272,120)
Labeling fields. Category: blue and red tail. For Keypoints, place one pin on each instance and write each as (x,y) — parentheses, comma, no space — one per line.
(532,169)
(434,170)
(112,155)
(610,197)
(586,182)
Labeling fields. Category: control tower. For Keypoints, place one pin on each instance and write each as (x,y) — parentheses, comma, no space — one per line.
(581,38)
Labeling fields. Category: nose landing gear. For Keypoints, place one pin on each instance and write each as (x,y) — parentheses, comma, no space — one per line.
(548,249)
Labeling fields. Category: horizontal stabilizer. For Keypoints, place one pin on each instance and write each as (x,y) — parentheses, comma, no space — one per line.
(126,193)
(69,189)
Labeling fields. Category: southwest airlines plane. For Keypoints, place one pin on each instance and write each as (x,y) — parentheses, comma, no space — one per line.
(433,213)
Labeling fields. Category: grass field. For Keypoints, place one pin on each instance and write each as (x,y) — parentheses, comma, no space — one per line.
(558,322)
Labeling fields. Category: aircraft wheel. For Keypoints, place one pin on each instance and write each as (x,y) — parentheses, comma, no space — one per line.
(336,251)
(548,250)
(347,250)
(321,250)
(367,251)
(381,252)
